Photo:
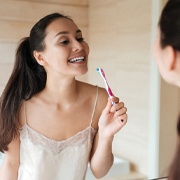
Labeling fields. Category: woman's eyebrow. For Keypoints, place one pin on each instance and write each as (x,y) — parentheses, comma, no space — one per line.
(62,32)
(67,32)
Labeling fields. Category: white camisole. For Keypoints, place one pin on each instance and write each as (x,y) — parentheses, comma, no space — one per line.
(42,158)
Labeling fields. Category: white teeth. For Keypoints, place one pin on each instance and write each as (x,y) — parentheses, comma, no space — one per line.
(78,59)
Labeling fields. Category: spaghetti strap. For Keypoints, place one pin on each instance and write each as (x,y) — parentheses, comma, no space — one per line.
(25,117)
(94,106)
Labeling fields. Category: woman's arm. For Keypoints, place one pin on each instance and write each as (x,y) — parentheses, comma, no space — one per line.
(10,166)
(112,119)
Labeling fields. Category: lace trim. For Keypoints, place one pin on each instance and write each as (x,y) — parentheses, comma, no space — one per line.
(57,146)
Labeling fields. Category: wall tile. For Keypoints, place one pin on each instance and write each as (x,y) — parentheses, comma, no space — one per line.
(33,11)
(120,33)
(65,2)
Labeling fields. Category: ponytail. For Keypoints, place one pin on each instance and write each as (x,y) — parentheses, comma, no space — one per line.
(27,79)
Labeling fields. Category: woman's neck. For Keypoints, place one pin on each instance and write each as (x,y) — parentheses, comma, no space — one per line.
(65,91)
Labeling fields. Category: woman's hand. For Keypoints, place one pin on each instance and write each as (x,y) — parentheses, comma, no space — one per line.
(113,118)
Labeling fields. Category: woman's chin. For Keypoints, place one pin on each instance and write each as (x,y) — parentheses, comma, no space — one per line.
(83,71)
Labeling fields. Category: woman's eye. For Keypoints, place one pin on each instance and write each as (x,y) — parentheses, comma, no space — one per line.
(64,42)
(80,39)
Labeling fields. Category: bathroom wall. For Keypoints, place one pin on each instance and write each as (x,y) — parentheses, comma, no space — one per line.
(119,34)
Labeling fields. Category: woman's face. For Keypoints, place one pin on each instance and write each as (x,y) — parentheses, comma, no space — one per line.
(66,52)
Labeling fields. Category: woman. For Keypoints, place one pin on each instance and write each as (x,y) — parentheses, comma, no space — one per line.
(52,125)
(167,55)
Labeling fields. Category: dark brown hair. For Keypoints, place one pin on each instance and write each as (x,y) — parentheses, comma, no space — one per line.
(27,79)
(169,25)
(174,172)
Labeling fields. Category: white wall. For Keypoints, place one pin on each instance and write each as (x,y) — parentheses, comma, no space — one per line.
(120,34)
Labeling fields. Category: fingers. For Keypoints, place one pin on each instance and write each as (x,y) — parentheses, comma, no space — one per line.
(108,106)
(114,100)
(122,120)
(117,106)
(121,115)
(113,117)
(119,110)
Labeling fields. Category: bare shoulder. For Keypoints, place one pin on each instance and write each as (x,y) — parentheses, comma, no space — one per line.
(102,100)
(101,104)
(93,91)
(103,96)
(87,90)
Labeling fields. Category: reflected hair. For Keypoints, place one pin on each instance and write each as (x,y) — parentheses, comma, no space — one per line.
(174,171)
(169,24)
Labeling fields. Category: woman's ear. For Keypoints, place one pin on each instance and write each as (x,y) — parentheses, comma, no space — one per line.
(170,58)
(39,58)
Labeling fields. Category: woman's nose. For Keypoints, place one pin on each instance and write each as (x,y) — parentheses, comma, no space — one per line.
(77,46)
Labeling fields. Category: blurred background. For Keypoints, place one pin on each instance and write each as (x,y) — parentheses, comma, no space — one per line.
(120,34)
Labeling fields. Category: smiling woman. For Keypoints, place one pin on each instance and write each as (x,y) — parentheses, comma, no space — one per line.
(52,125)
(63,37)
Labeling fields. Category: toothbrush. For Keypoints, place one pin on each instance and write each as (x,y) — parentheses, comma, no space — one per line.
(108,89)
